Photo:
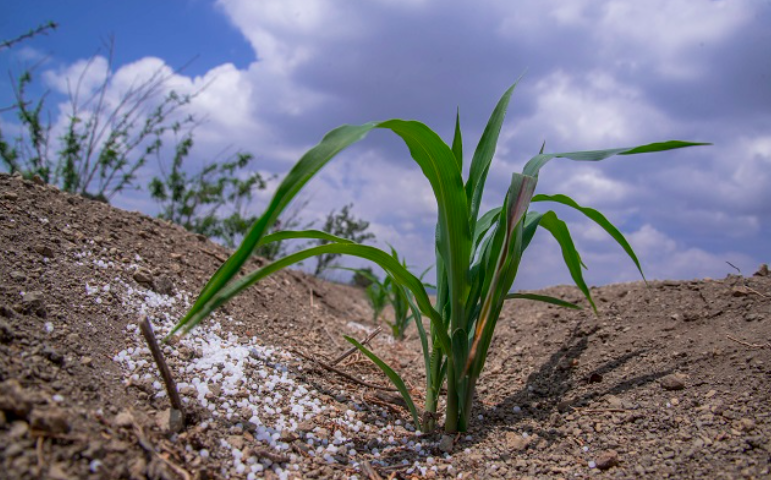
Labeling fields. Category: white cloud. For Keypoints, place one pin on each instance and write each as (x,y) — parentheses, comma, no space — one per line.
(661,257)
(664,257)
(591,186)
(670,36)
(89,74)
(287,33)
(587,111)
(601,75)
(660,35)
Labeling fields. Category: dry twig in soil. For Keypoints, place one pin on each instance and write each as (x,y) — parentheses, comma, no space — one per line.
(40,459)
(341,373)
(148,447)
(353,350)
(751,345)
(370,472)
(171,386)
(273,457)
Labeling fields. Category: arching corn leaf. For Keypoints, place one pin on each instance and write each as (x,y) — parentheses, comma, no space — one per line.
(310,163)
(393,376)
(598,218)
(438,163)
(544,299)
(298,234)
(384,260)
(560,232)
(536,163)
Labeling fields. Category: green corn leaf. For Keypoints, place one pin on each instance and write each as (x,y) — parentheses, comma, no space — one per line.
(297,234)
(423,274)
(442,287)
(544,299)
(423,338)
(393,376)
(436,160)
(439,166)
(484,224)
(509,273)
(384,260)
(662,146)
(560,232)
(536,163)
(310,163)
(483,156)
(532,219)
(507,258)
(457,142)
(598,218)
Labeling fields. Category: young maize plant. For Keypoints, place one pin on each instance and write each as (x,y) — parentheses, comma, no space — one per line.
(377,295)
(380,294)
(477,256)
(377,291)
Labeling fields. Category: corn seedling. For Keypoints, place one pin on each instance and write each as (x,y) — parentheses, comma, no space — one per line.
(377,294)
(380,294)
(477,256)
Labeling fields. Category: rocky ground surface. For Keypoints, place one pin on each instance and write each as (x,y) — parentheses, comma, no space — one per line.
(671,380)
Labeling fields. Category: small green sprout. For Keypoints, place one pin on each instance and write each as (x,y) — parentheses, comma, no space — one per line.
(382,293)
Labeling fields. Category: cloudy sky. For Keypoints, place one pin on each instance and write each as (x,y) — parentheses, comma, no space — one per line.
(597,74)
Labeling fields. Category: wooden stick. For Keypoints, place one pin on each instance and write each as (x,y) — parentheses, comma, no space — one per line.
(171,386)
(343,374)
(215,255)
(353,350)
(273,457)
(329,334)
(600,410)
(370,472)
(751,345)
(40,459)
(755,291)
(149,448)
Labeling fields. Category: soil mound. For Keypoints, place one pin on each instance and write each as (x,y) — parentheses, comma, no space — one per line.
(671,379)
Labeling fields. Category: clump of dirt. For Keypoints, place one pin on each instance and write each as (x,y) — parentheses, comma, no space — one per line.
(667,380)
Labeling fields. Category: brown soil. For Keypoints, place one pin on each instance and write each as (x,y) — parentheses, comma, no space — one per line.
(670,380)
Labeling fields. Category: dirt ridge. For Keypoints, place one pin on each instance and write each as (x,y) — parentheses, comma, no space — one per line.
(669,380)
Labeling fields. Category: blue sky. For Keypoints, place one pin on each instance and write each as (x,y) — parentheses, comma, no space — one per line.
(599,74)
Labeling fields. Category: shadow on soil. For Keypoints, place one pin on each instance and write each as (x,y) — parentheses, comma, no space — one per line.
(547,391)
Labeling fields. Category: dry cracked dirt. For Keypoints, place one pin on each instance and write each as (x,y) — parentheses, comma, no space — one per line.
(669,380)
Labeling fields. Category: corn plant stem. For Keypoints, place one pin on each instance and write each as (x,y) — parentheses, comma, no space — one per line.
(451,423)
(168,380)
(467,403)
(432,391)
